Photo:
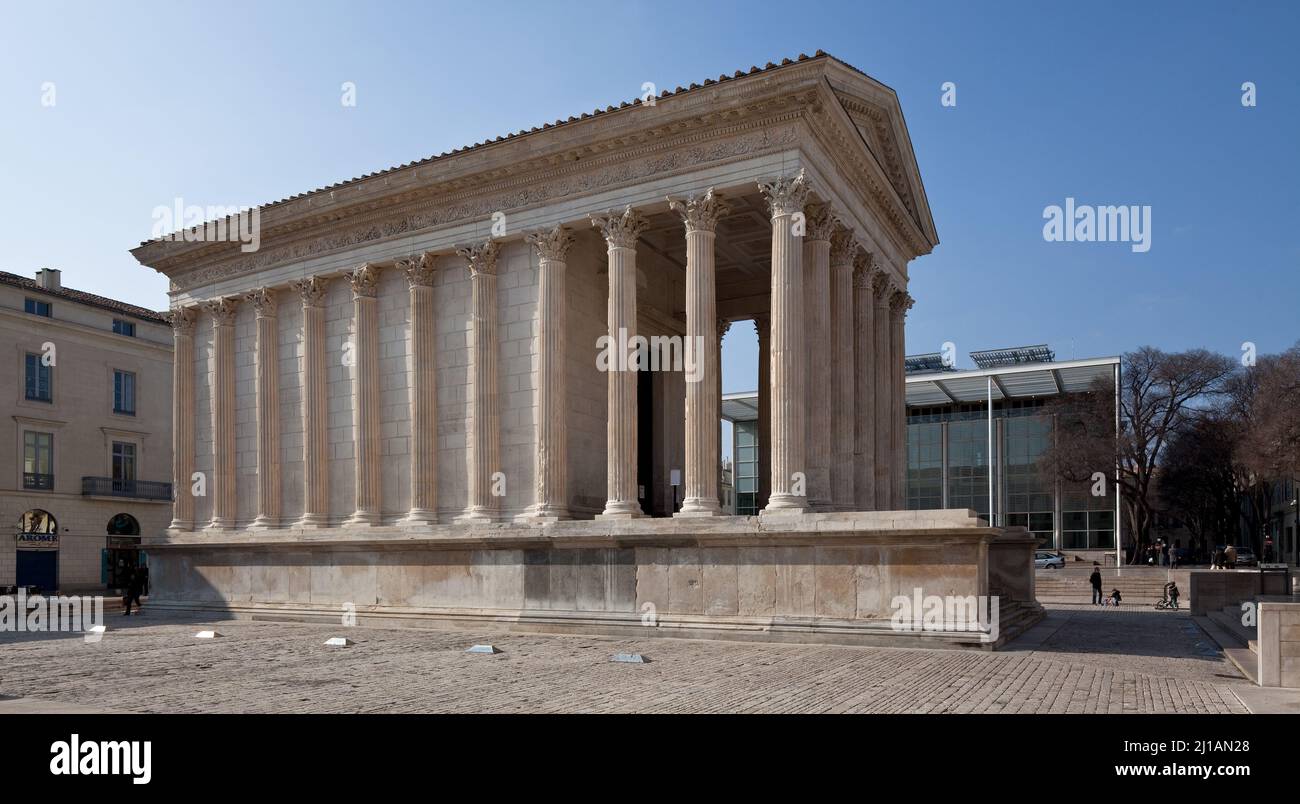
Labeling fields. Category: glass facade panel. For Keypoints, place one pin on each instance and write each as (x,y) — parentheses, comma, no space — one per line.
(1024,439)
(968,466)
(924,466)
(746,467)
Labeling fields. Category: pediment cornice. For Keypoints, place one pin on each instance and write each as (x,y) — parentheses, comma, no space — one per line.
(727,122)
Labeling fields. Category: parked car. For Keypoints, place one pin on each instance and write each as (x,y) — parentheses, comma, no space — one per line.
(1246,557)
(1045,560)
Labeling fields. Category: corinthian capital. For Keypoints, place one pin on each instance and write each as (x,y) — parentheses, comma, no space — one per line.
(882,286)
(785,195)
(900,302)
(312,289)
(482,258)
(700,213)
(364,281)
(183,320)
(223,310)
(620,231)
(553,245)
(863,267)
(821,222)
(843,246)
(263,301)
(418,270)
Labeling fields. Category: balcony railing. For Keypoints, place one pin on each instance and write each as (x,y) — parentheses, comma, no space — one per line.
(38,482)
(136,489)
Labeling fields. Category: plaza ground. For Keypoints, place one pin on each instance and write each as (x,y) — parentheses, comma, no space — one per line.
(1080,659)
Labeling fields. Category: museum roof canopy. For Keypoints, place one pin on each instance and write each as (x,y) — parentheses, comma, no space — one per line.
(1014,381)
(812,103)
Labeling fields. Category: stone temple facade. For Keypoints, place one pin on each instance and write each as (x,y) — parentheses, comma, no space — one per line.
(421,399)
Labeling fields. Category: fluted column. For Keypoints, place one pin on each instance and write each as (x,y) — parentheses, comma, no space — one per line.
(786,197)
(365,394)
(817,345)
(883,289)
(843,377)
(762,327)
(552,468)
(268,408)
(183,321)
(621,232)
(899,305)
(315,403)
(723,327)
(423,390)
(703,393)
(484,458)
(864,360)
(225,508)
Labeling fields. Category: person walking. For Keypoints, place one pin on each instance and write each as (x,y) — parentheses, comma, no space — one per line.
(1095,578)
(134,589)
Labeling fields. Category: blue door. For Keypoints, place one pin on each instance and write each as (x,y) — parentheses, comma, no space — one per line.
(39,568)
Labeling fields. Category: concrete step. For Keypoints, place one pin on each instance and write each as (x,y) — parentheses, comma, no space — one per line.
(1229,642)
(1230,621)
(1246,661)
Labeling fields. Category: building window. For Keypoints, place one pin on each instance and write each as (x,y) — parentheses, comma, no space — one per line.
(123,466)
(39,385)
(124,327)
(38,461)
(745,468)
(124,392)
(924,466)
(36,307)
(968,466)
(1030,495)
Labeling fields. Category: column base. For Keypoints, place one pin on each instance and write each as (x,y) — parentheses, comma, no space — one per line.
(621,509)
(363,519)
(177,524)
(478,515)
(221,524)
(699,507)
(785,504)
(264,523)
(311,521)
(544,514)
(419,516)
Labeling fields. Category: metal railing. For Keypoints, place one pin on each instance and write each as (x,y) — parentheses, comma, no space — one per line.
(137,489)
(38,482)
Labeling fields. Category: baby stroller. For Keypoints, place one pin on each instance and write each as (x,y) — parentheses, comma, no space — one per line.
(1170,599)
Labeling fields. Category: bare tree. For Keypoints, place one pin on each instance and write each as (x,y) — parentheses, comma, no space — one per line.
(1159,393)
(1197,482)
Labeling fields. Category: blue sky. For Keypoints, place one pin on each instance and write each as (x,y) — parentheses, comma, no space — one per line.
(1108,103)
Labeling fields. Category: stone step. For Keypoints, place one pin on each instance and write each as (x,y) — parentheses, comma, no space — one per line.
(1230,621)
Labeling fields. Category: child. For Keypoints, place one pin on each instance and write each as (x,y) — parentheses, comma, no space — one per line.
(1114,597)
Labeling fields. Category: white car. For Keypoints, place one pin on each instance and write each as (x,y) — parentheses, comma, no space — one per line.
(1043,560)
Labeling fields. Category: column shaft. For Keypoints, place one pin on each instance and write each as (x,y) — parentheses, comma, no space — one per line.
(864,358)
(818,424)
(182,321)
(552,467)
(786,198)
(898,481)
(484,459)
(423,391)
(365,394)
(884,394)
(843,376)
(268,409)
(315,403)
(762,325)
(704,341)
(225,499)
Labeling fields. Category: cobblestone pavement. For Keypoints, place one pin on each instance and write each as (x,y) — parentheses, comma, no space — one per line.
(1080,659)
